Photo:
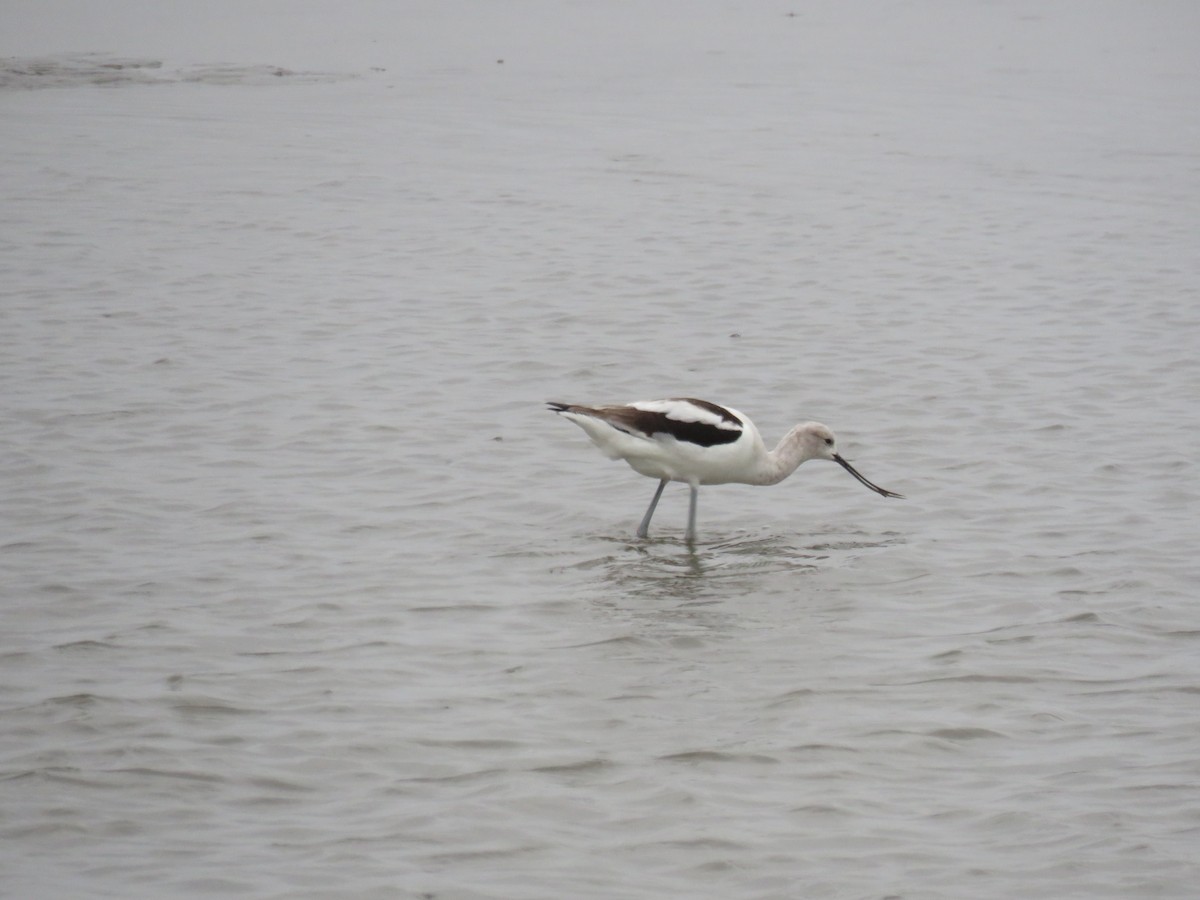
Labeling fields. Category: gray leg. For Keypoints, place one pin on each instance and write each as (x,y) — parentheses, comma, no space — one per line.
(644,528)
(690,537)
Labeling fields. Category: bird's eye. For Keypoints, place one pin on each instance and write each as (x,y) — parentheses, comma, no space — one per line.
(828,442)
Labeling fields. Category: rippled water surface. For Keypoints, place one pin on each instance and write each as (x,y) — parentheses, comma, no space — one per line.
(305,595)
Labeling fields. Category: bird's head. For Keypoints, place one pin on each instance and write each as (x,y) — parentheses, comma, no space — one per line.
(819,442)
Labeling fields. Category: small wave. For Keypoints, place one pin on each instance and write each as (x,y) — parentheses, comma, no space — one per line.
(964,734)
(584,765)
(718,756)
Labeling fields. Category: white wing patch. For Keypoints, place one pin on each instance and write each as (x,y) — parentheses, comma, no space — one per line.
(691,411)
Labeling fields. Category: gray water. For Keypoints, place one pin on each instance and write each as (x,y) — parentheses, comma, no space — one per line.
(305,595)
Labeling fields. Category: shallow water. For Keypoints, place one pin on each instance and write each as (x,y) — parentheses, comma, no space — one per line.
(305,595)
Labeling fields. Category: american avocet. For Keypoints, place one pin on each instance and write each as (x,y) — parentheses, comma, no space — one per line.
(698,442)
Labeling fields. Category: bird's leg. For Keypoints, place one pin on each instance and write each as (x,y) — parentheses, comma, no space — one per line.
(690,537)
(644,528)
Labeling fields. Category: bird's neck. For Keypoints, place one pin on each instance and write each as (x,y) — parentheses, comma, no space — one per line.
(781,462)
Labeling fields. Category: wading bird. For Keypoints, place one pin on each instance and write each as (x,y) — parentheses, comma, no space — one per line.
(698,442)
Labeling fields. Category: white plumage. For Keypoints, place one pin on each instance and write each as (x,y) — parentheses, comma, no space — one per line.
(698,442)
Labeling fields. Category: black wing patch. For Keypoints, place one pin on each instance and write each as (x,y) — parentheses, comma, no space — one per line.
(702,434)
(641,422)
(699,433)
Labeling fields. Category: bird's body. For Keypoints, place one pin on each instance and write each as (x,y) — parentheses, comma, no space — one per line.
(698,442)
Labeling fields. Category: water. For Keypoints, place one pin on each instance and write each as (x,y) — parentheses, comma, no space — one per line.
(304,594)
